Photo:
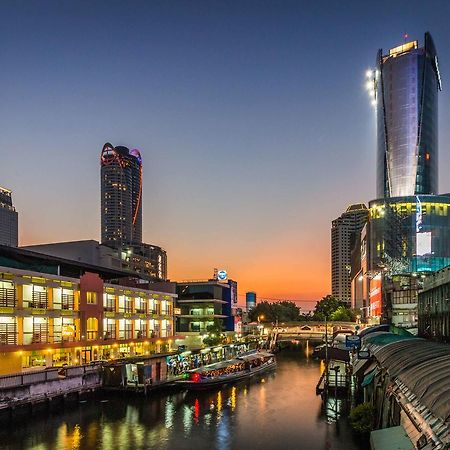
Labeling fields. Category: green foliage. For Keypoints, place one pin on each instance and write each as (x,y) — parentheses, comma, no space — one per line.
(343,314)
(215,335)
(333,309)
(284,311)
(362,418)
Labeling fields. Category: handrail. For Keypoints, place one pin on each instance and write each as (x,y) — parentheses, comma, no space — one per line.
(50,374)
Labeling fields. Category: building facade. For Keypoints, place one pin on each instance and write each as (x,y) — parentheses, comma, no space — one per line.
(406,84)
(344,235)
(144,260)
(121,196)
(434,306)
(8,219)
(55,311)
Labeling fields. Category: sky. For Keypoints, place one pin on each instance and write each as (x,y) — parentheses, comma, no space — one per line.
(251,116)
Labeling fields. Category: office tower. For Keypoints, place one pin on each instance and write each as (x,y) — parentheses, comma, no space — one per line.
(121,196)
(8,219)
(344,233)
(406,84)
(250,300)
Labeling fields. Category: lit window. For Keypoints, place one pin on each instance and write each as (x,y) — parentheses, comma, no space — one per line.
(91,298)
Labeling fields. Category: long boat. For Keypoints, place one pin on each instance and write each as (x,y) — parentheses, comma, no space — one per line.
(218,374)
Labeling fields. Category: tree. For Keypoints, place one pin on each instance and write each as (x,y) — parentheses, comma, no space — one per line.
(284,311)
(326,307)
(343,314)
(362,417)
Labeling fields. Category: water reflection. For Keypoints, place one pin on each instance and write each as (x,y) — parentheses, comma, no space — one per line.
(279,410)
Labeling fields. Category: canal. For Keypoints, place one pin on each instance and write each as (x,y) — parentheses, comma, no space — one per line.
(277,411)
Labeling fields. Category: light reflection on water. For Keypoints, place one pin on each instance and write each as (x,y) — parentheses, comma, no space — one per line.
(282,412)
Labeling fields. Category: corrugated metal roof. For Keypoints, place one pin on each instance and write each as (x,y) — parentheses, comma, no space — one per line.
(422,366)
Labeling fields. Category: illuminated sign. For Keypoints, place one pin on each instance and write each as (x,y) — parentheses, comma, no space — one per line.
(222,275)
(68,331)
(423,243)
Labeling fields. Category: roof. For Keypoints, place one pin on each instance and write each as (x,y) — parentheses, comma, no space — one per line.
(18,258)
(356,207)
(394,438)
(422,366)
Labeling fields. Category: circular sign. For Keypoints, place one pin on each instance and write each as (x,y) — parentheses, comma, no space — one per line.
(222,275)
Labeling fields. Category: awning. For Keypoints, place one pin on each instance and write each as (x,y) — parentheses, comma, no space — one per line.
(394,438)
(368,378)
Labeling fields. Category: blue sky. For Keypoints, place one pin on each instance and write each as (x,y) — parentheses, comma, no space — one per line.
(251,116)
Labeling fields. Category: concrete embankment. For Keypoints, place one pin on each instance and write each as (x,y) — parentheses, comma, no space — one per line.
(26,391)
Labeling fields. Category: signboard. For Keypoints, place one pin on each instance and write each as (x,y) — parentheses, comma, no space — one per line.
(68,331)
(375,296)
(364,354)
(353,341)
(222,275)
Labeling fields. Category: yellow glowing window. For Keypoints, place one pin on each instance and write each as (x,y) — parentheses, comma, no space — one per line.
(427,156)
(91,298)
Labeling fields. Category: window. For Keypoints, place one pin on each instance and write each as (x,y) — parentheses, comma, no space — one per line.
(91,298)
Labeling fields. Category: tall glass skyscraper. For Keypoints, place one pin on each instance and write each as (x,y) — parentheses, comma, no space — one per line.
(121,196)
(406,84)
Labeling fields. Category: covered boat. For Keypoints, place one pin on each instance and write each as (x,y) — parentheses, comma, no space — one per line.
(240,368)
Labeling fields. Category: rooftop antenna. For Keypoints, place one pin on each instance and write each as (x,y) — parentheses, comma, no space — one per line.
(405,36)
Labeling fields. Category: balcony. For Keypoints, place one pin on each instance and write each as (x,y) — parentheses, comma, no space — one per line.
(8,334)
(109,308)
(39,300)
(109,334)
(7,297)
(67,301)
(141,310)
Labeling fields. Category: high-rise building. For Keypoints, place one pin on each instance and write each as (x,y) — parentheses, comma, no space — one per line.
(406,84)
(8,219)
(250,300)
(121,196)
(344,234)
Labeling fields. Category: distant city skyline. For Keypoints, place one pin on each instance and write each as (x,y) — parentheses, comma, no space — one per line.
(251,117)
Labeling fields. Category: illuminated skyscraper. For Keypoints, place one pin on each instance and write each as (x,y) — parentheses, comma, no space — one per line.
(406,84)
(121,196)
(345,231)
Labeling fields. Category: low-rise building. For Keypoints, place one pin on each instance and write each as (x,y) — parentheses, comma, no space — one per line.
(55,311)
(434,306)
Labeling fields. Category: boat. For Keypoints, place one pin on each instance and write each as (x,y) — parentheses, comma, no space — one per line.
(221,373)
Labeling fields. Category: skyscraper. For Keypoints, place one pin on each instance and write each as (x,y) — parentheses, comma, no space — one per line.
(121,196)
(344,234)
(406,84)
(8,219)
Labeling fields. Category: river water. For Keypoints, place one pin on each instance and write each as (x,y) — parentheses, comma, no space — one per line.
(277,411)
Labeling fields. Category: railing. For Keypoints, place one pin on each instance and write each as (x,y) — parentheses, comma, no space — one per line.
(67,301)
(109,334)
(110,308)
(8,334)
(7,297)
(41,376)
(141,310)
(39,300)
(142,333)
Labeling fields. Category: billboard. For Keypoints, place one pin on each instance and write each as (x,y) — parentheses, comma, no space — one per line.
(375,296)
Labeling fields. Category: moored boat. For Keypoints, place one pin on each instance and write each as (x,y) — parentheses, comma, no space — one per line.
(240,368)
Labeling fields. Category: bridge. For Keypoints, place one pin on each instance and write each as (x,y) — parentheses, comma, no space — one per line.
(313,332)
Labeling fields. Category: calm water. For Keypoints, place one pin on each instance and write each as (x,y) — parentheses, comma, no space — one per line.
(279,411)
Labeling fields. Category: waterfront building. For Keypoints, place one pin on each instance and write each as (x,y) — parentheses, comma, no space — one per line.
(121,196)
(144,260)
(250,300)
(8,219)
(55,311)
(434,306)
(405,87)
(344,234)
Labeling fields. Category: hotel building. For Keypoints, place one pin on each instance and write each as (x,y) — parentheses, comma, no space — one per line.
(55,311)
